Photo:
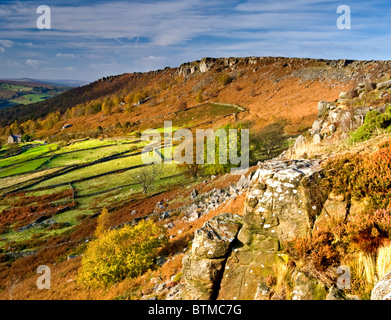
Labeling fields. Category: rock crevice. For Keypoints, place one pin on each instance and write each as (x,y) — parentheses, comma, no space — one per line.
(231,256)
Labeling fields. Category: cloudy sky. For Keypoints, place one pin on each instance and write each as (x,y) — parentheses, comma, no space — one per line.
(96,38)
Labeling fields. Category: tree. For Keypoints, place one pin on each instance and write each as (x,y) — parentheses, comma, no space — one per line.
(147,175)
(106,108)
(140,96)
(270,138)
(182,105)
(29,125)
(117,100)
(16,129)
(224,79)
(217,167)
(122,253)
(199,96)
(51,120)
(26,137)
(192,169)
(129,98)
(103,223)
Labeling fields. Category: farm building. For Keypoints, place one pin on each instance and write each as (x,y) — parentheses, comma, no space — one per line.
(14,139)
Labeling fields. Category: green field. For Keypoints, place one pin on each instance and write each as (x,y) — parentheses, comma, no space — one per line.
(29,154)
(79,157)
(15,87)
(23,168)
(94,193)
(13,93)
(97,173)
(31,98)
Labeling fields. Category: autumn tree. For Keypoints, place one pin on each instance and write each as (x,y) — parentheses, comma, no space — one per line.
(118,254)
(51,120)
(129,98)
(182,106)
(223,79)
(199,96)
(106,108)
(103,223)
(16,128)
(222,149)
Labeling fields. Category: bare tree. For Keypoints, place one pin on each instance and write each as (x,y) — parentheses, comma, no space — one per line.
(269,138)
(147,175)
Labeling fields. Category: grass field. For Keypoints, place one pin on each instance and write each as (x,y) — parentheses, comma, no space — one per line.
(14,94)
(31,98)
(23,168)
(29,154)
(109,189)
(15,87)
(79,157)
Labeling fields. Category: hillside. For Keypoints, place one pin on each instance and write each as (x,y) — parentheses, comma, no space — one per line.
(316,197)
(27,91)
(266,87)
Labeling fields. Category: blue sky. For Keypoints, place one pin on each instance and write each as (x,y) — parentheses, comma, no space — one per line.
(92,39)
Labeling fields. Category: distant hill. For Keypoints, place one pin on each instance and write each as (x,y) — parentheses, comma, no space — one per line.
(70,97)
(56,83)
(25,91)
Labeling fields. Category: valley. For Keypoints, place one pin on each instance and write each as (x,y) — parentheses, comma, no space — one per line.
(76,181)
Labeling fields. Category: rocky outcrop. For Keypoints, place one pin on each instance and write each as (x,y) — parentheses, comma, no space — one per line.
(382,290)
(336,119)
(189,68)
(285,198)
(283,201)
(203,265)
(383,85)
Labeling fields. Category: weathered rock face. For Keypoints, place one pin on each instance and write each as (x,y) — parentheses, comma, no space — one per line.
(285,198)
(202,266)
(230,261)
(383,85)
(203,65)
(307,289)
(382,290)
(283,201)
(212,241)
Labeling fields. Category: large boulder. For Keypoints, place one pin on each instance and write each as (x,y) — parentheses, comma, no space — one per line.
(305,288)
(383,85)
(214,238)
(316,127)
(203,265)
(230,261)
(284,199)
(382,290)
(323,107)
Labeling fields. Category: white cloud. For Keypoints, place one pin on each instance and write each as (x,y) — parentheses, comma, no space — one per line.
(65,55)
(114,37)
(6,43)
(34,63)
(2,50)
(153,58)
